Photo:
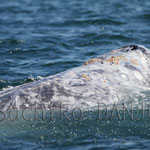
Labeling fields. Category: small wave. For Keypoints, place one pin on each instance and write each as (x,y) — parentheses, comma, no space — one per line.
(11,41)
(89,21)
(5,84)
(61,63)
(145,16)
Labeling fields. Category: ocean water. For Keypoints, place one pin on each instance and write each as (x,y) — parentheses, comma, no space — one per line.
(41,38)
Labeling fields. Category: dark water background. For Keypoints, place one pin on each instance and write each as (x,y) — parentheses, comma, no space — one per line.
(43,37)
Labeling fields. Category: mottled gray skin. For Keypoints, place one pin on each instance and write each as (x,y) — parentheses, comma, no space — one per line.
(100,81)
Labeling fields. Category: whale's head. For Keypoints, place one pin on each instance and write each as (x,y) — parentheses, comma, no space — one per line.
(134,47)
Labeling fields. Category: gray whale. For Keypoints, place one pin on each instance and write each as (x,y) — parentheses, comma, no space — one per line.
(106,78)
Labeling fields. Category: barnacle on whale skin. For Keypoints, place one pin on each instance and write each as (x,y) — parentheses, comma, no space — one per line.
(115,59)
(92,61)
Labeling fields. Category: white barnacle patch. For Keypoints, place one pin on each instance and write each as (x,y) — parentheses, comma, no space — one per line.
(90,103)
(17,101)
(144,62)
(77,82)
(88,93)
(27,105)
(124,76)
(138,75)
(71,74)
